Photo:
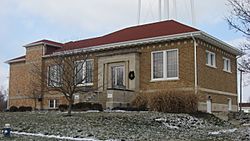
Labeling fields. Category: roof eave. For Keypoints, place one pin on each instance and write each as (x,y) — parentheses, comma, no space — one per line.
(198,34)
(41,43)
(225,46)
(14,61)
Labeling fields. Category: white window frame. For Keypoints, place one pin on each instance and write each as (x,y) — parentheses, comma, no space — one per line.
(224,64)
(55,103)
(84,66)
(164,66)
(209,59)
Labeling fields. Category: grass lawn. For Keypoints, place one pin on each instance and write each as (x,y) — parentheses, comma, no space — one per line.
(119,126)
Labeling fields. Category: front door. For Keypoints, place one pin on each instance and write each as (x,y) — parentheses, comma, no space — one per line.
(118,77)
(209,106)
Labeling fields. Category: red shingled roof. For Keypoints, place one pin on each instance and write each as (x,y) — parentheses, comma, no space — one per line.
(157,29)
(163,28)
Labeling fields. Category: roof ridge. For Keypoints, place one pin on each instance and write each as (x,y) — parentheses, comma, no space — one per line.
(135,26)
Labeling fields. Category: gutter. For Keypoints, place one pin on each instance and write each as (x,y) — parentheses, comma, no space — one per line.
(195,65)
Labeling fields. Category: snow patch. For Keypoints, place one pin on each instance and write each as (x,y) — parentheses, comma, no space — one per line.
(223,131)
(53,136)
(171,126)
(246,124)
(161,119)
(92,111)
(117,111)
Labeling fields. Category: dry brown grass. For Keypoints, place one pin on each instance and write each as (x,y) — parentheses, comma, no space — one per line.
(168,101)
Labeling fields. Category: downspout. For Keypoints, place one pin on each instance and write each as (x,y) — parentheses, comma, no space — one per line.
(195,65)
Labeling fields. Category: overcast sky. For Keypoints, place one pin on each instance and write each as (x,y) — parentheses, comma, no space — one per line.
(25,21)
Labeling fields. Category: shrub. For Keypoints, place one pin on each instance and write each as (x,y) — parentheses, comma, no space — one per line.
(174,102)
(140,102)
(129,109)
(63,107)
(13,109)
(24,108)
(96,106)
(82,106)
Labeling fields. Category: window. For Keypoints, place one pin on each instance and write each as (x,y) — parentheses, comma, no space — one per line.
(158,65)
(210,59)
(165,65)
(227,64)
(54,75)
(118,76)
(53,103)
(84,72)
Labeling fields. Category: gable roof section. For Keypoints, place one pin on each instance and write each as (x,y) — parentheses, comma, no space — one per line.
(48,42)
(163,28)
(17,59)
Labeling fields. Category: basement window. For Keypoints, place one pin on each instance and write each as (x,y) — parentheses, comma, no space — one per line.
(164,65)
(227,64)
(53,103)
(210,59)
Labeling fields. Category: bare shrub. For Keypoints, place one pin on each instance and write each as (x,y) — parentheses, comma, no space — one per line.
(140,101)
(174,102)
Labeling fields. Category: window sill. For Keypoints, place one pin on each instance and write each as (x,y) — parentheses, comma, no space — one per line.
(165,79)
(85,84)
(227,71)
(214,67)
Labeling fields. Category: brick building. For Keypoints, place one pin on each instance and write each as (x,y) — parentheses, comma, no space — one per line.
(162,56)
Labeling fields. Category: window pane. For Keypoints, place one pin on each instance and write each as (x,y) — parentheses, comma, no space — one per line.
(207,58)
(225,64)
(84,71)
(229,65)
(79,72)
(172,64)
(55,75)
(158,65)
(51,103)
(118,77)
(89,72)
(212,59)
(113,76)
(56,103)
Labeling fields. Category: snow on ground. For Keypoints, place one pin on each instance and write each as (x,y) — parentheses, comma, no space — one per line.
(53,136)
(119,125)
(223,131)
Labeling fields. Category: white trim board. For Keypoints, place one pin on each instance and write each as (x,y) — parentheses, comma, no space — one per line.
(218,92)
